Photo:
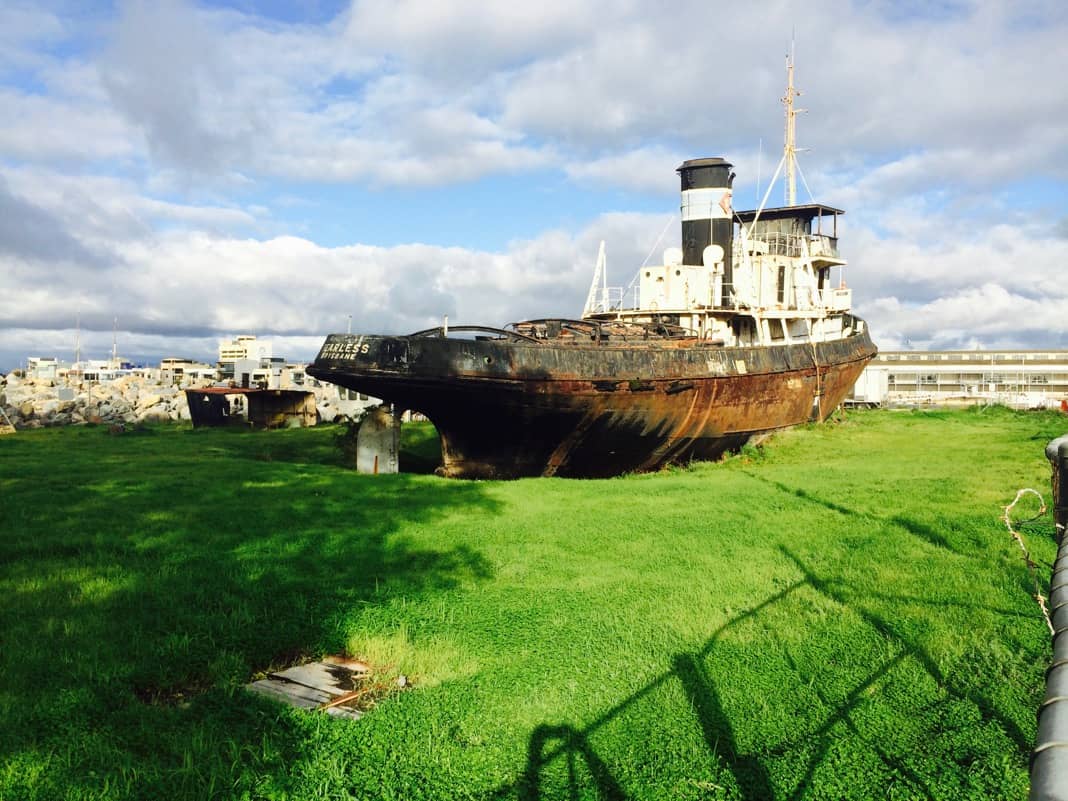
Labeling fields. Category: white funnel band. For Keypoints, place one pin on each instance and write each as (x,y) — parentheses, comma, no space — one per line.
(713,203)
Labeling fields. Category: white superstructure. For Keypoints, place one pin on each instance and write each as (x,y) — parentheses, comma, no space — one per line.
(741,278)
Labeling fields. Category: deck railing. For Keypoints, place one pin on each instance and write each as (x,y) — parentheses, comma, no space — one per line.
(791,245)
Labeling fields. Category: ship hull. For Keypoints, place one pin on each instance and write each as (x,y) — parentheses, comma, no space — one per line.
(506,409)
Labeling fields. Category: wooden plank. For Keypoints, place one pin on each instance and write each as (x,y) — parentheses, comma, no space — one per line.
(290,692)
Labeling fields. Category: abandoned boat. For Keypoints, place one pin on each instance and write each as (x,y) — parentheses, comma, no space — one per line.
(740,332)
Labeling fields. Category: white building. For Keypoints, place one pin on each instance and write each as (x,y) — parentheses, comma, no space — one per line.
(1021,379)
(45,367)
(97,370)
(245,346)
(179,370)
(86,370)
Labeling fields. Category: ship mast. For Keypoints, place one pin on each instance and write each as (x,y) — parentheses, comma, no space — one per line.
(790,149)
(600,276)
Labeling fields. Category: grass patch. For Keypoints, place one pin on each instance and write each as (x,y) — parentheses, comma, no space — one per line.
(838,614)
(420,448)
(426,661)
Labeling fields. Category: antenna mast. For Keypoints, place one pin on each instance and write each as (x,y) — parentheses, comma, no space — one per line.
(790,149)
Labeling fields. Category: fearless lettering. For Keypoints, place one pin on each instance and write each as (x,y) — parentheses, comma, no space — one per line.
(344,350)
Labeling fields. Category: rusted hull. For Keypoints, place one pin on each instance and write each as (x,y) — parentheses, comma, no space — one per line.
(507,409)
(267,408)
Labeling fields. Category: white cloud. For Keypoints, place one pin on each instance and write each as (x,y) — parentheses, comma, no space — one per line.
(171,76)
(989,314)
(153,160)
(179,283)
(175,284)
(24,29)
(1002,289)
(43,129)
(104,211)
(465,39)
(644,169)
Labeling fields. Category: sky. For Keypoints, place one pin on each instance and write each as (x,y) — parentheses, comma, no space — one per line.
(174,173)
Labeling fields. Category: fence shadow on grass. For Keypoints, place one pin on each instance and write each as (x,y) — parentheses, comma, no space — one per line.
(914,527)
(951,682)
(550,744)
(572,746)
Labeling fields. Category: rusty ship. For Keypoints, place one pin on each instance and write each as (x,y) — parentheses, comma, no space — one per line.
(740,332)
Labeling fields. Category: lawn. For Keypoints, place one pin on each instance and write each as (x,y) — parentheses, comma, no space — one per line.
(839,614)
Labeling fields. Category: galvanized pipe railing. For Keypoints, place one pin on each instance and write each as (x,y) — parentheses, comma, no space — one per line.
(1049,761)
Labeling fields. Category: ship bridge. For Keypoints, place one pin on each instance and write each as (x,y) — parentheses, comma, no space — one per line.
(794,231)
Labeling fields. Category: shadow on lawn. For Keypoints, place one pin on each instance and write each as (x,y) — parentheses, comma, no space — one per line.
(143,593)
(549,744)
(914,527)
(420,446)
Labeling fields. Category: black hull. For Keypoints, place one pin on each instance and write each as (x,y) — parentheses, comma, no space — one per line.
(506,409)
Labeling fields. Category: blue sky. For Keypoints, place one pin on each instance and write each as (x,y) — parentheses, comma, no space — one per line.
(198,170)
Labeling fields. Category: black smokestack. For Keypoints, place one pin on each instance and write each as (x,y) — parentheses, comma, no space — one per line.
(707,213)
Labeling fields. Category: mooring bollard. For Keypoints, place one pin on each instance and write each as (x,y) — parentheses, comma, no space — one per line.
(1049,761)
(378,442)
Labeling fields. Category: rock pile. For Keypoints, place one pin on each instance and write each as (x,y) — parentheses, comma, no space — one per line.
(38,402)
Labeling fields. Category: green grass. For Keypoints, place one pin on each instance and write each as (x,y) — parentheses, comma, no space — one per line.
(840,614)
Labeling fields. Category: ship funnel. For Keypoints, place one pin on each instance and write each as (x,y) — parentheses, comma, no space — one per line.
(707,215)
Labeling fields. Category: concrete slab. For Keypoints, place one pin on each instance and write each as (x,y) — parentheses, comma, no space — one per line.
(331,679)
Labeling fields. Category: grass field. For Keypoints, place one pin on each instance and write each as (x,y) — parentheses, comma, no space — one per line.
(840,614)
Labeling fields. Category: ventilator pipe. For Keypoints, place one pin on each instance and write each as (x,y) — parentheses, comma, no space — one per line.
(1049,760)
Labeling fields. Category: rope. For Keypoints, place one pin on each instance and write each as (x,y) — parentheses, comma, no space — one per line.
(1031,566)
(657,242)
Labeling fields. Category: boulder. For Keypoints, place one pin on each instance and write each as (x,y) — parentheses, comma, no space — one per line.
(17,394)
(147,401)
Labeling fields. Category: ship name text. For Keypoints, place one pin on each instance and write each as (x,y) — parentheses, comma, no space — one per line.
(344,350)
